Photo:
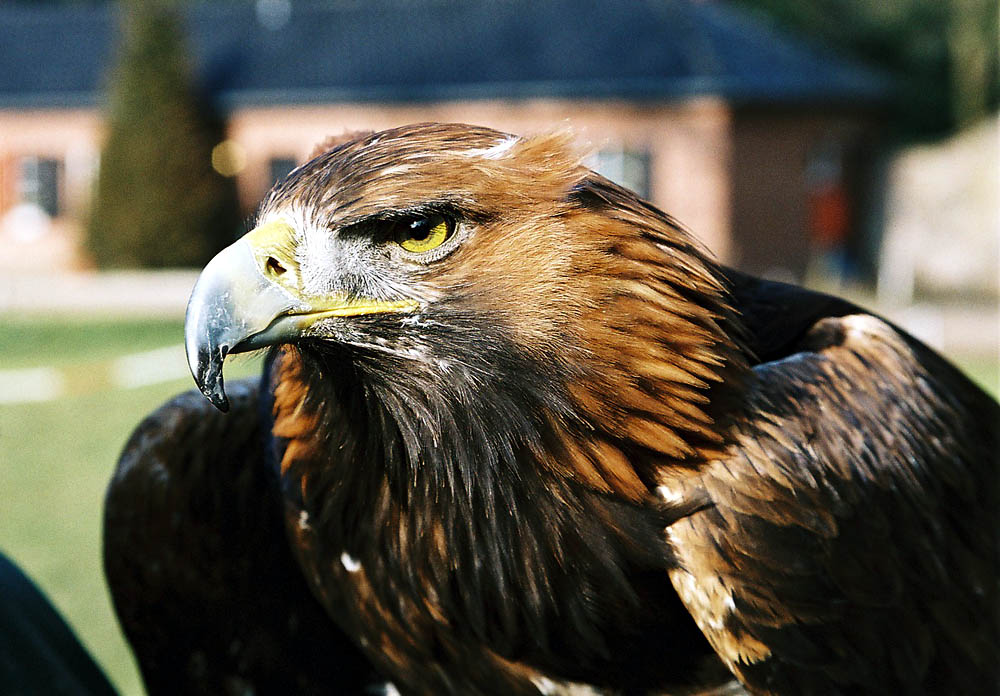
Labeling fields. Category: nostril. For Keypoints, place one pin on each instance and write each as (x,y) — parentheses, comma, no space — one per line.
(274,266)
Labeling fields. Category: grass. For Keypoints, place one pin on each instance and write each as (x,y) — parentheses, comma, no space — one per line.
(984,370)
(28,343)
(56,458)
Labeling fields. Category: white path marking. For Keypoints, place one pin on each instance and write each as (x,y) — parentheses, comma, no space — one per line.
(149,367)
(31,385)
(36,384)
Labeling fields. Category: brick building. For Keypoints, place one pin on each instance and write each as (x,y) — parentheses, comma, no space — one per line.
(760,144)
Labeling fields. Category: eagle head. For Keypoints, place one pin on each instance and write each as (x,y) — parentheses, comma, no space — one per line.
(455,270)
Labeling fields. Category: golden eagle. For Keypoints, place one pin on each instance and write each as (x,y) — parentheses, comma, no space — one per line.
(519,434)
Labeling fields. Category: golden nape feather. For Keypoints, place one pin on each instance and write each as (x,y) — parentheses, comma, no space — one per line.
(518,433)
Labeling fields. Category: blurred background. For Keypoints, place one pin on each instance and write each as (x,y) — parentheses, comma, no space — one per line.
(850,145)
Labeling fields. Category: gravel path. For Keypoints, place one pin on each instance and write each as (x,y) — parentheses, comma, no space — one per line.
(120,293)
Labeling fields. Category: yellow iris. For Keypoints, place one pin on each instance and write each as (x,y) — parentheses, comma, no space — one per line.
(424,234)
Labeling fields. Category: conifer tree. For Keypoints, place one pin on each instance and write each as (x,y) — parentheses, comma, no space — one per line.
(159,202)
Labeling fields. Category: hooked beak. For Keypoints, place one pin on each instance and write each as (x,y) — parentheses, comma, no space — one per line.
(250,296)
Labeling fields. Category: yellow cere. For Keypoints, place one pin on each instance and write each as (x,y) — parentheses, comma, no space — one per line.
(435,238)
(273,248)
(276,238)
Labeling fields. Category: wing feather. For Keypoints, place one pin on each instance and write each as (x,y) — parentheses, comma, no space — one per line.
(202,578)
(852,538)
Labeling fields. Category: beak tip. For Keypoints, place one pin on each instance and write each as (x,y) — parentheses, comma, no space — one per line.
(219,400)
(206,369)
(213,389)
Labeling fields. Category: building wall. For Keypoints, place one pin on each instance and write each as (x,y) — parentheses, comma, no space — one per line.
(688,143)
(789,168)
(30,239)
(687,146)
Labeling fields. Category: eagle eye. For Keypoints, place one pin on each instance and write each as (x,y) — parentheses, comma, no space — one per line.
(419,235)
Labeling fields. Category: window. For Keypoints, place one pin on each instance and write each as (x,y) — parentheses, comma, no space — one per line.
(628,168)
(280,167)
(39,183)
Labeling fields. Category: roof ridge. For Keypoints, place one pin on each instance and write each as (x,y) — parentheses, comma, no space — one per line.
(379,49)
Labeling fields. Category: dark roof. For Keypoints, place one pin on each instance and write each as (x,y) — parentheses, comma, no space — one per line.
(273,52)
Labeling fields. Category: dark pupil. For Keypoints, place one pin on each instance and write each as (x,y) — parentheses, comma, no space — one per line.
(420,229)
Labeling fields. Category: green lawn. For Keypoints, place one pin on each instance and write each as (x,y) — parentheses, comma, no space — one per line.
(56,458)
(983,370)
(27,343)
